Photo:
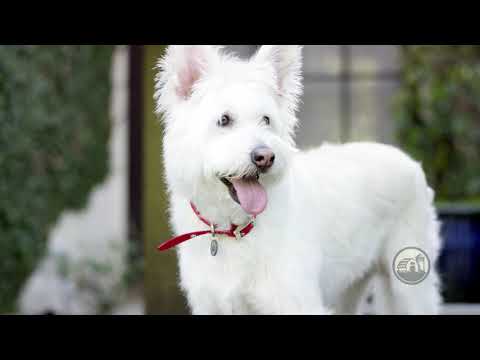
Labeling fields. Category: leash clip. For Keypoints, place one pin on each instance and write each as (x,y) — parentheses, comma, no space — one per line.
(238,232)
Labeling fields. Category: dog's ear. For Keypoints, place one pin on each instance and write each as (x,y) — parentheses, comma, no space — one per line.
(180,69)
(286,61)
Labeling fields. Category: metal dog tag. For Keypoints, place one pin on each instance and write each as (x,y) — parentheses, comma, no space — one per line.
(214,243)
(213,247)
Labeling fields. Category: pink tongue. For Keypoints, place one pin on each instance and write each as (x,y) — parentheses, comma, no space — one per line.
(252,196)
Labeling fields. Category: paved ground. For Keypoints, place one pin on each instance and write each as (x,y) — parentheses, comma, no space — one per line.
(136,307)
(461,309)
(133,307)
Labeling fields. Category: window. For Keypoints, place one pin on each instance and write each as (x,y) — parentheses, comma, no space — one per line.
(348,92)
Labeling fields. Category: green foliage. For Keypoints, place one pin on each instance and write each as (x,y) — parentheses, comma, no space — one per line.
(109,284)
(439,116)
(54,129)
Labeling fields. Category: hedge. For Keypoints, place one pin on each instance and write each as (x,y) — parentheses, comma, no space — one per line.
(438,112)
(54,130)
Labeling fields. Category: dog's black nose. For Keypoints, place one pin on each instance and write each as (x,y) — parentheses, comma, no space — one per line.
(263,157)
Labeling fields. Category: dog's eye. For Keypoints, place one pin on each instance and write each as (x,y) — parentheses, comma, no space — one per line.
(266,120)
(226,120)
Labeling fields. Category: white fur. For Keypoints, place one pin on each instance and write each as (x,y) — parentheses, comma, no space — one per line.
(336,214)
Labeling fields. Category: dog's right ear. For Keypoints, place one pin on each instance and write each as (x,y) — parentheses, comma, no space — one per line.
(286,62)
(180,69)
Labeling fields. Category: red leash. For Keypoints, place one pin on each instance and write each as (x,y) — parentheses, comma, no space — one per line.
(234,232)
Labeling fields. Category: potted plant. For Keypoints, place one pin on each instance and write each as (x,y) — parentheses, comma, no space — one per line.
(438,110)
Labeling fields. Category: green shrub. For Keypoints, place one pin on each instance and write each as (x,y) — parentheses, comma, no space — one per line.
(54,129)
(439,116)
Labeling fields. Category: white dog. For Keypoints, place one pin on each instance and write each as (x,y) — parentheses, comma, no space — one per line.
(326,220)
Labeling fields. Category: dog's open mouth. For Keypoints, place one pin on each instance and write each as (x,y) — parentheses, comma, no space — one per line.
(248,192)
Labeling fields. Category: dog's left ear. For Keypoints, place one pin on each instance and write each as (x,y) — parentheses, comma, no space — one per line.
(286,61)
(179,71)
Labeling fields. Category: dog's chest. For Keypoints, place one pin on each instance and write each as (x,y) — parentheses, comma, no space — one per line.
(230,277)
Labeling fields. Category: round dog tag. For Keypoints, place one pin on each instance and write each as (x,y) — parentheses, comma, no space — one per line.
(213,247)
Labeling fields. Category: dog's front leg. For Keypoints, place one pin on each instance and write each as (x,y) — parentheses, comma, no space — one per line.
(201,302)
(290,304)
(294,307)
(203,307)
(300,299)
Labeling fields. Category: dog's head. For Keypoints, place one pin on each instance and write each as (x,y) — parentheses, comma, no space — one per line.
(229,123)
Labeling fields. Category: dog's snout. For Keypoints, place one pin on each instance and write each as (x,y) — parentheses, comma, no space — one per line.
(263,157)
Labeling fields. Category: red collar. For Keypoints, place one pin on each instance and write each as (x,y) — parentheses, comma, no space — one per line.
(234,232)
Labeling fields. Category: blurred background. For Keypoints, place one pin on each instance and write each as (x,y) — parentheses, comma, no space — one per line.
(83,204)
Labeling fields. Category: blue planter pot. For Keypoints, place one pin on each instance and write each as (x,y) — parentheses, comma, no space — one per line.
(459,262)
